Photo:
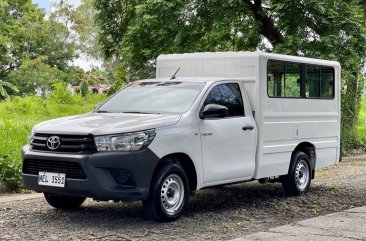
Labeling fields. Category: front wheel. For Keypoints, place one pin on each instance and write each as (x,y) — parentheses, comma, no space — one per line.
(298,179)
(63,202)
(168,193)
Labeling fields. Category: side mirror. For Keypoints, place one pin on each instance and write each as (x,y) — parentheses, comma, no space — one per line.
(214,111)
(98,105)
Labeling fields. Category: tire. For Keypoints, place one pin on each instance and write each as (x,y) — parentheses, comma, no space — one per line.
(298,179)
(168,194)
(63,202)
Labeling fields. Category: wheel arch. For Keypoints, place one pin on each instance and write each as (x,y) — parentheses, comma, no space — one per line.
(186,162)
(310,150)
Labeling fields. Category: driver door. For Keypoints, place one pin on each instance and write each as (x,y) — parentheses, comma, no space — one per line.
(228,144)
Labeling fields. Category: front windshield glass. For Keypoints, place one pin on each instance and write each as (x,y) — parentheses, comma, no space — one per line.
(154,97)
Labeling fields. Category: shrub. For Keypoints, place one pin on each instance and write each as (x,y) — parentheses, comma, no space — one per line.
(18,116)
(84,88)
(60,94)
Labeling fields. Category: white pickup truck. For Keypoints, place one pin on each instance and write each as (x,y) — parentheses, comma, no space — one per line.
(223,118)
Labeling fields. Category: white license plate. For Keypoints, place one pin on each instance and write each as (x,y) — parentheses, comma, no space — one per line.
(51,179)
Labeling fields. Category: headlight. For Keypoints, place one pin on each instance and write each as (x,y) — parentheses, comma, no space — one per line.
(125,142)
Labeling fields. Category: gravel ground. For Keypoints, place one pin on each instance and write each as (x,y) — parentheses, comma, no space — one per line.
(213,214)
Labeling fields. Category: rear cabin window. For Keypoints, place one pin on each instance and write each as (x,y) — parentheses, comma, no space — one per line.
(286,79)
(319,82)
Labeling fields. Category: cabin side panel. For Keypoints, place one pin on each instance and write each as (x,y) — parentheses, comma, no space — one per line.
(288,121)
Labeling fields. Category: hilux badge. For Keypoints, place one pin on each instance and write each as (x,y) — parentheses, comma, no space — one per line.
(53,142)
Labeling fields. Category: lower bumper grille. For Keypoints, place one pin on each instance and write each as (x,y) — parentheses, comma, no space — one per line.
(71,169)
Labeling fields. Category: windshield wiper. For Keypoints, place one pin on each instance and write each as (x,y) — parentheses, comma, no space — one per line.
(103,111)
(139,112)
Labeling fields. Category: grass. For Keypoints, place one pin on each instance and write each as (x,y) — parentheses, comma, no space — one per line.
(18,116)
(361,124)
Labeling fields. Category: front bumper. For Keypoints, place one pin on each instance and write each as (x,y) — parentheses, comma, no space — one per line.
(102,171)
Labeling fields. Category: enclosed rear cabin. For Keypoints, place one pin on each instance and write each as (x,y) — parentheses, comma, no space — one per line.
(295,101)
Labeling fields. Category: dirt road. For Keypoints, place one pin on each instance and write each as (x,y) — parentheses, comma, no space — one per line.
(213,214)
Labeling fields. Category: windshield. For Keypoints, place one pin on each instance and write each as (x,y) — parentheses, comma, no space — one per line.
(154,97)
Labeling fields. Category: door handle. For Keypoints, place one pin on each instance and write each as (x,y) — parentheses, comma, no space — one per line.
(248,127)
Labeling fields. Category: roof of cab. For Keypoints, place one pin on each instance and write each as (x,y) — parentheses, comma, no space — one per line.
(243,54)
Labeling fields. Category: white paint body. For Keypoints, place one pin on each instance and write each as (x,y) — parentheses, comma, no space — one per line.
(231,154)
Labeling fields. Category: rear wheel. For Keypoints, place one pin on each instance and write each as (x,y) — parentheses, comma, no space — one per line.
(63,202)
(168,193)
(298,179)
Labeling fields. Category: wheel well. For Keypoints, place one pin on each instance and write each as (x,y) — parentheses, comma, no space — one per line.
(310,150)
(186,162)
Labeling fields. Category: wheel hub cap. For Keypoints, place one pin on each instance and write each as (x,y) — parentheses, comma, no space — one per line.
(172,194)
(302,175)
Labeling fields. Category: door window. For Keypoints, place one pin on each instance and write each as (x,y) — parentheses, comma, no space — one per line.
(229,96)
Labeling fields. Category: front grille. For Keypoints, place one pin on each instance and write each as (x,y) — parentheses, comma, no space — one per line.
(71,169)
(69,143)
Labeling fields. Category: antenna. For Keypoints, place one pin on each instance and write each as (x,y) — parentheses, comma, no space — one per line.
(173,77)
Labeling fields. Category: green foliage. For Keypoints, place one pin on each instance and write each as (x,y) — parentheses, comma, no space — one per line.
(4,86)
(25,35)
(116,86)
(138,31)
(95,76)
(84,88)
(360,129)
(81,21)
(19,115)
(119,80)
(33,74)
(145,29)
(37,74)
(84,24)
(352,90)
(86,32)
(350,140)
(61,95)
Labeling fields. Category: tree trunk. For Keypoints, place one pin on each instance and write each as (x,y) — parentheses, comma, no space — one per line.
(268,28)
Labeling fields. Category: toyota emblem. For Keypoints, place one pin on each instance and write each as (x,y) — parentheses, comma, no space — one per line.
(53,142)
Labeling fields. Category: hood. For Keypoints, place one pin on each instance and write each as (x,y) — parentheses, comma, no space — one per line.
(105,123)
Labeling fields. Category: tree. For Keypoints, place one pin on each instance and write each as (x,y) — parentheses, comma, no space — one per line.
(26,34)
(85,32)
(84,25)
(136,32)
(33,74)
(81,21)
(36,75)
